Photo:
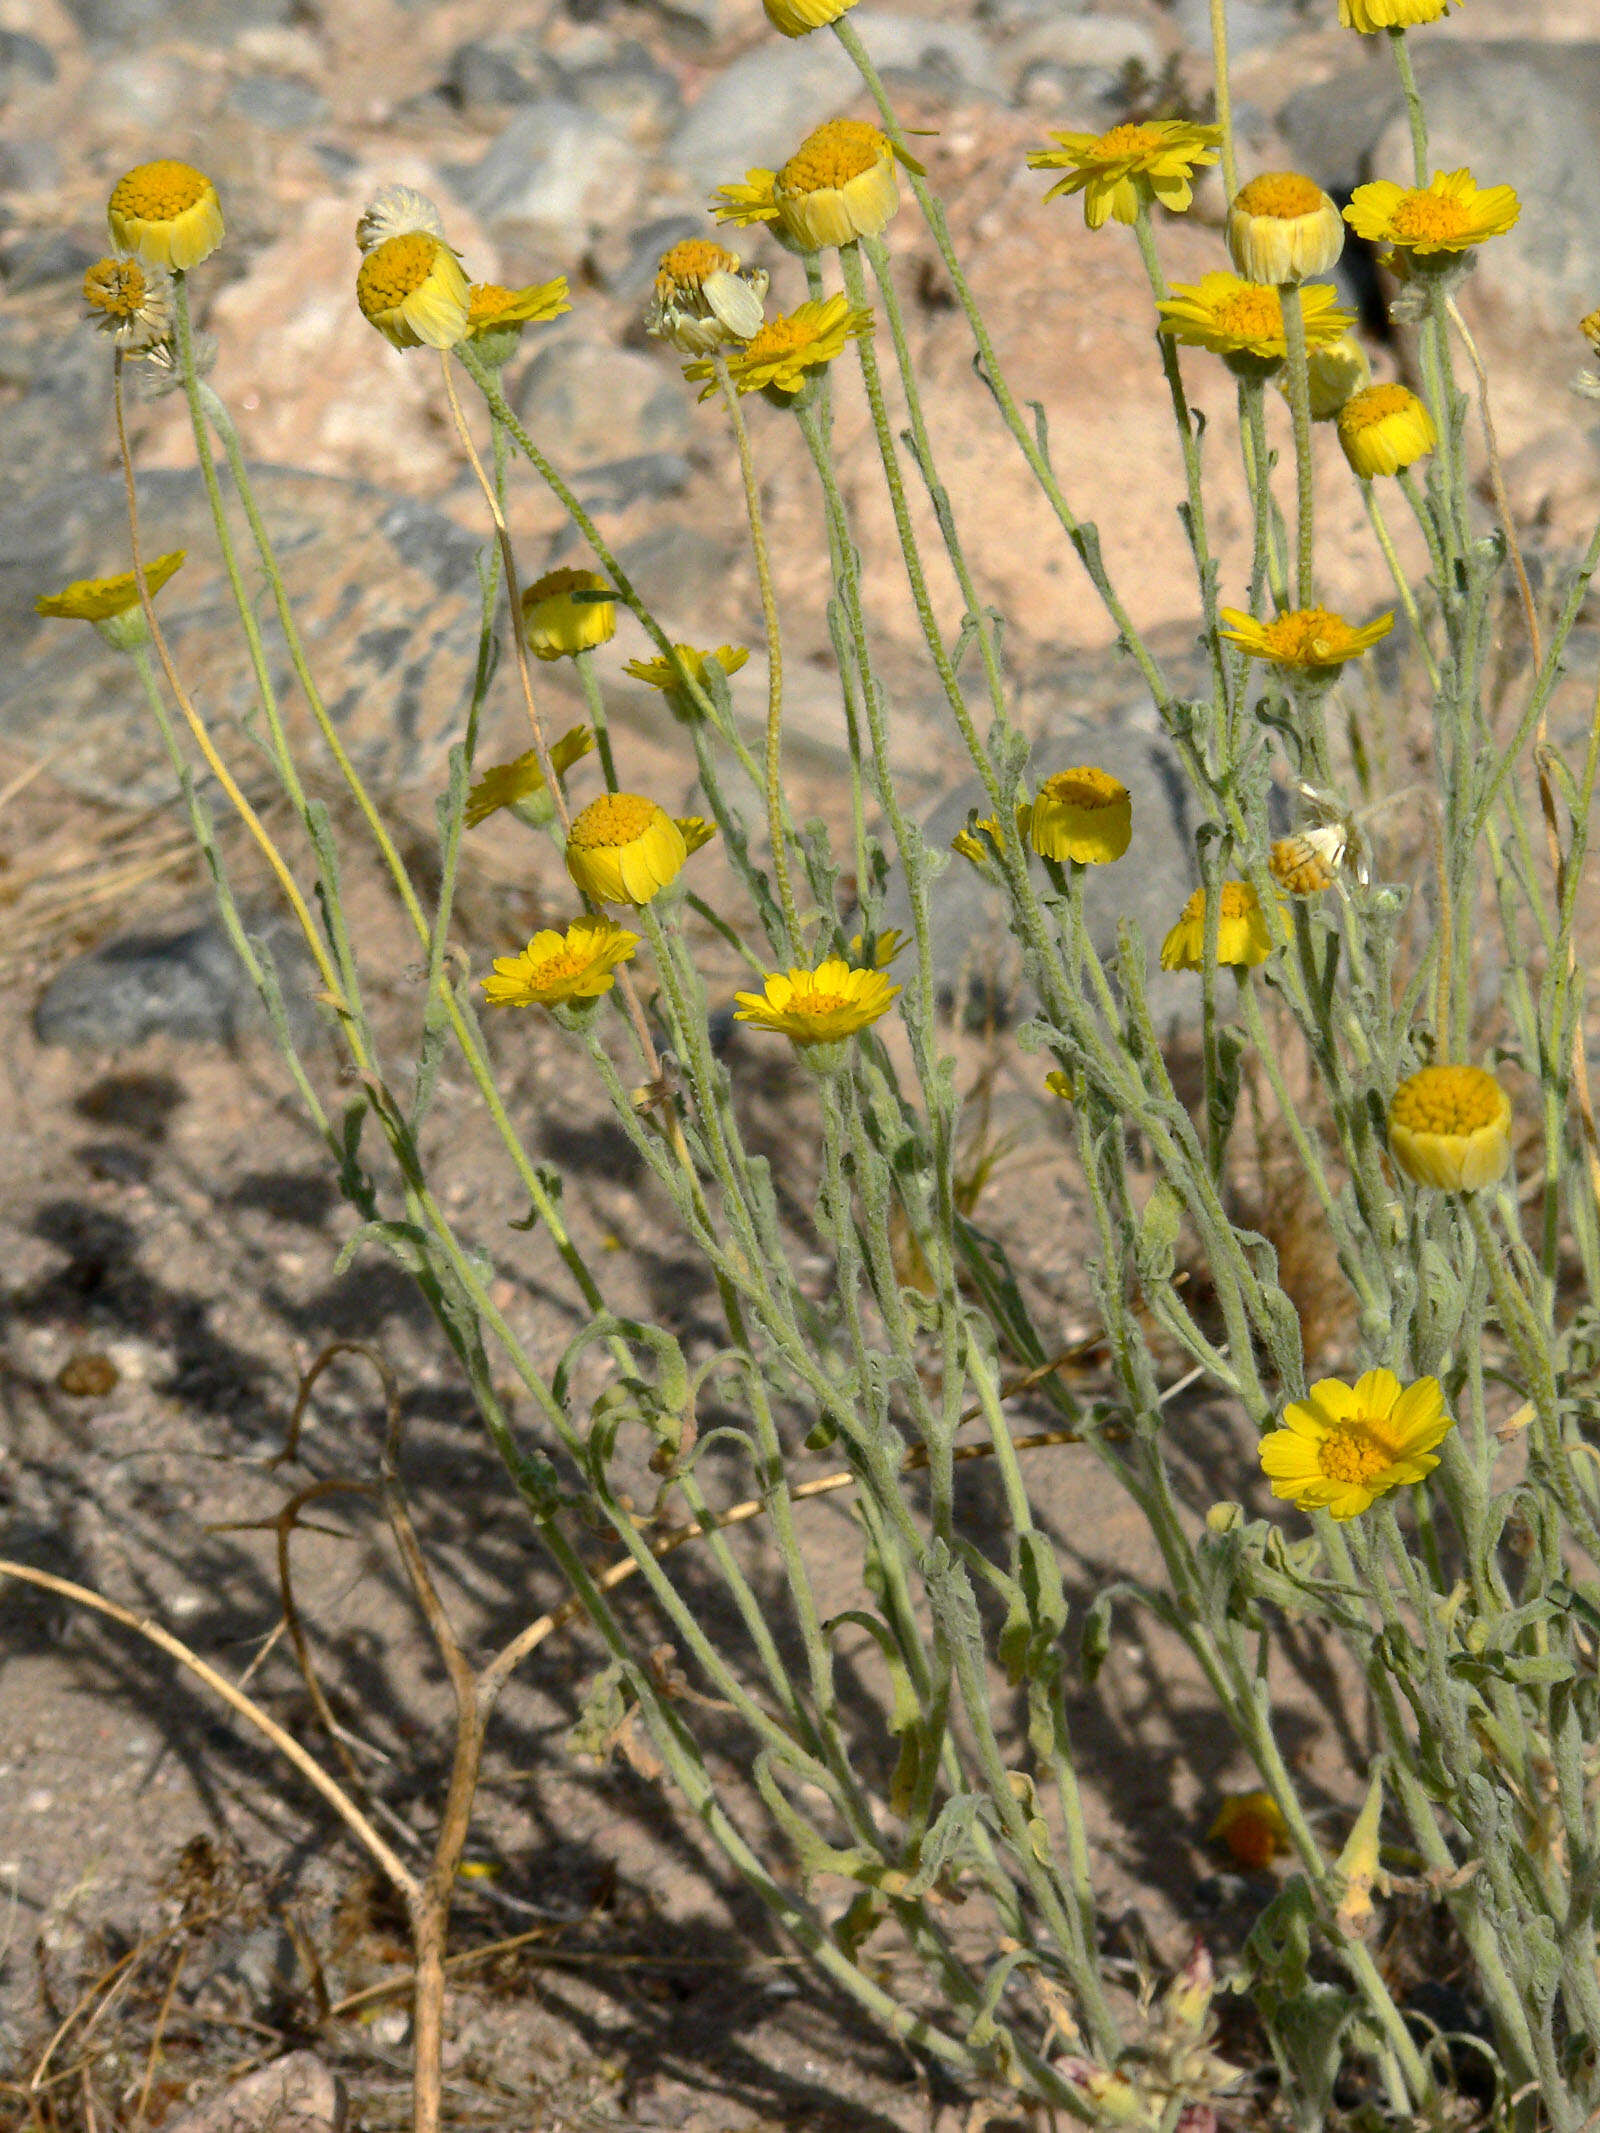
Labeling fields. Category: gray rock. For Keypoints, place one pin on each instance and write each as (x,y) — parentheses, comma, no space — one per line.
(1007,15)
(1046,86)
(953,53)
(631,93)
(680,572)
(295,2094)
(1098,41)
(23,60)
(29,164)
(759,108)
(555,165)
(39,256)
(56,427)
(633,278)
(644,478)
(490,72)
(586,403)
(189,985)
(209,21)
(278,102)
(1253,25)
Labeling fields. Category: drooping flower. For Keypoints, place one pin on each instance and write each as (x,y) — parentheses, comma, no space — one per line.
(1130,167)
(558,625)
(624,849)
(1242,321)
(131,301)
(1370,15)
(101,599)
(704,299)
(412,289)
(969,843)
(1252,1827)
(554,967)
(1282,227)
(817,1006)
(1385,429)
(1242,935)
(1084,815)
(838,185)
(505,784)
(1344,1446)
(663,675)
(787,347)
(755,201)
(1314,639)
(493,310)
(795,17)
(1307,861)
(695,831)
(166,214)
(1450,1127)
(397,211)
(1432,222)
(885,947)
(1333,373)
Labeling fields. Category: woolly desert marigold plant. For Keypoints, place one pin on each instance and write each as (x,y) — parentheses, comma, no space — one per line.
(1282,227)
(794,18)
(1384,429)
(130,300)
(704,299)
(558,967)
(1311,638)
(788,347)
(413,290)
(1372,15)
(101,599)
(1242,935)
(817,1006)
(1450,1127)
(838,185)
(1130,167)
(1447,215)
(1344,1446)
(1242,321)
(624,849)
(558,625)
(166,214)
(1084,815)
(504,784)
(663,675)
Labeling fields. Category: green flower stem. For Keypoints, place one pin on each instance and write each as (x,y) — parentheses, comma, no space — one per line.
(1439,556)
(1402,584)
(1224,94)
(1538,704)
(594,698)
(1415,113)
(1267,566)
(1294,335)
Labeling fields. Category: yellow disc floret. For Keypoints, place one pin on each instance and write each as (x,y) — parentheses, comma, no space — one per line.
(1431,223)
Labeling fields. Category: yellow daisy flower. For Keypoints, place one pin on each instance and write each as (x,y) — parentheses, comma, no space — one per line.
(1450,1127)
(1242,936)
(413,290)
(795,17)
(787,347)
(166,214)
(663,675)
(1242,321)
(1344,1446)
(1252,1827)
(131,301)
(1333,373)
(704,299)
(623,849)
(1084,815)
(1282,227)
(1308,862)
(755,201)
(490,307)
(575,965)
(1130,167)
(101,599)
(695,831)
(1370,15)
(1429,223)
(838,185)
(817,1006)
(504,784)
(558,625)
(1384,430)
(1311,638)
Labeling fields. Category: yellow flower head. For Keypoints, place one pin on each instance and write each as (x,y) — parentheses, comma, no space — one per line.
(558,625)
(1370,15)
(1308,862)
(795,17)
(663,675)
(1130,167)
(166,214)
(397,211)
(838,185)
(101,599)
(504,784)
(1429,223)
(885,947)
(1242,936)
(754,201)
(1385,429)
(1242,321)
(491,309)
(575,965)
(1450,1127)
(696,831)
(1333,372)
(623,849)
(1589,327)
(1282,227)
(969,843)
(1311,638)
(788,346)
(703,299)
(1344,1446)
(130,300)
(1252,1827)
(1083,815)
(817,1006)
(413,290)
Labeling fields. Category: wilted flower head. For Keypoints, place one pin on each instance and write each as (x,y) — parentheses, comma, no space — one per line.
(1242,935)
(131,301)
(1370,15)
(704,299)
(397,211)
(795,17)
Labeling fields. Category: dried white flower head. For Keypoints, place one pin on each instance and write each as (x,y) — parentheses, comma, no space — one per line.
(395,211)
